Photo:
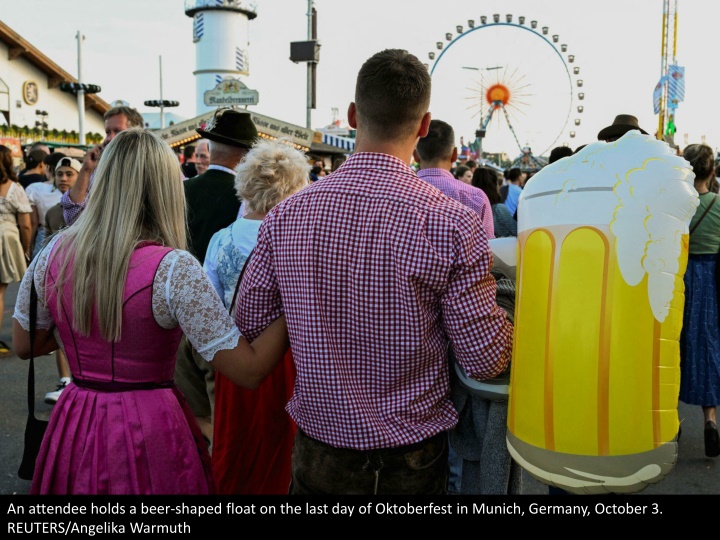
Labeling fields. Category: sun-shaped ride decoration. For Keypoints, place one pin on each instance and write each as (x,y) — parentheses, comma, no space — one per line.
(495,93)
(498,95)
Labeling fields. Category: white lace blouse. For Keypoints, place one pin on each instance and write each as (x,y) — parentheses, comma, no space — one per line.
(182,295)
(13,203)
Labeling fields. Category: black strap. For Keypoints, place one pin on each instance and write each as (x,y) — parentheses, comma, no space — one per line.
(31,370)
(504,190)
(709,206)
(237,286)
(33,323)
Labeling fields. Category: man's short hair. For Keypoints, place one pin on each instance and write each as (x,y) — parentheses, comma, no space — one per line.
(514,174)
(559,152)
(51,160)
(203,142)
(220,152)
(438,143)
(188,151)
(39,146)
(134,118)
(392,94)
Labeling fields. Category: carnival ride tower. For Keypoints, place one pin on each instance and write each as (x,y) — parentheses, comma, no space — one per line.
(220,34)
(670,90)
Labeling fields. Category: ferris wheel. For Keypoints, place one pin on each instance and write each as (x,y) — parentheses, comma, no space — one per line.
(509,83)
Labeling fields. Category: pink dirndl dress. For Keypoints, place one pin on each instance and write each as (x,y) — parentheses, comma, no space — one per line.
(121,426)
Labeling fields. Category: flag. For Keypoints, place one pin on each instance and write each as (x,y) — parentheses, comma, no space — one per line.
(241,61)
(198,27)
(657,94)
(676,85)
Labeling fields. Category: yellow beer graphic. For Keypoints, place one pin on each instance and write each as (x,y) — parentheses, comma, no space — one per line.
(602,249)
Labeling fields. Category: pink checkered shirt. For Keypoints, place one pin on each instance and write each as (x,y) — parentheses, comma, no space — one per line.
(377,272)
(470,196)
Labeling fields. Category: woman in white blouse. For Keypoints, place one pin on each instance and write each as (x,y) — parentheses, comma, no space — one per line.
(15,231)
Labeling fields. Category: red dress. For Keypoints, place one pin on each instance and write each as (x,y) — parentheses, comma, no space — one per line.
(253,435)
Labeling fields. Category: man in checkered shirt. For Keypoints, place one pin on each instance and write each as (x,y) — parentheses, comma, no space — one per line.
(378,274)
(436,153)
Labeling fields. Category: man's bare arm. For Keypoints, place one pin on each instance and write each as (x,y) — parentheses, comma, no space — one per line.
(79,191)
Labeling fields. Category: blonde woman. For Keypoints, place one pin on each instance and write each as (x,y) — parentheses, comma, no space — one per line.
(116,290)
(253,435)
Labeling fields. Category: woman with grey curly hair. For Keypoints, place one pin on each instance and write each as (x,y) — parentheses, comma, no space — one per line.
(253,436)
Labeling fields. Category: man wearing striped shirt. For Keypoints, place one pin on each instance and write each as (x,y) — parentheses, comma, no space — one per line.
(378,274)
(436,153)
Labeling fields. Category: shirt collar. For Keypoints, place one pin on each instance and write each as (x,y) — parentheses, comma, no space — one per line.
(221,168)
(433,171)
(370,160)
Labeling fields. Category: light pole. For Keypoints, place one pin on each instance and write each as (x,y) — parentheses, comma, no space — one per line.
(162,103)
(312,66)
(80,92)
(308,51)
(80,89)
(42,124)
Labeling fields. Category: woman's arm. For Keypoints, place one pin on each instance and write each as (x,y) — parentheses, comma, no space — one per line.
(45,342)
(79,190)
(25,227)
(34,222)
(44,337)
(182,292)
(248,364)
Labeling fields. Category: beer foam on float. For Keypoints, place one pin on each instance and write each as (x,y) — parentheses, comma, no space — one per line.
(639,188)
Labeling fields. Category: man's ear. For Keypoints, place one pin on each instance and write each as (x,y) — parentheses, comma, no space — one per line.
(424,125)
(454,155)
(352,115)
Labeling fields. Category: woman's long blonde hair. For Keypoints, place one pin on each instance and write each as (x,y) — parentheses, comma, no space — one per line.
(137,195)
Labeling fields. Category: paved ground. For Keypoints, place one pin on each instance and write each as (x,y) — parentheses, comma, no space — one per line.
(693,474)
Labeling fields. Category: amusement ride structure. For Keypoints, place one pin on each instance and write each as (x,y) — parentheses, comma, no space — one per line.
(502,92)
(670,90)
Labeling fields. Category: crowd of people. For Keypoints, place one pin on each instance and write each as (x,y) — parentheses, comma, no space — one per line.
(244,323)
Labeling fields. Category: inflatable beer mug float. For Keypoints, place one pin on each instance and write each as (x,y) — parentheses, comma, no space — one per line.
(595,374)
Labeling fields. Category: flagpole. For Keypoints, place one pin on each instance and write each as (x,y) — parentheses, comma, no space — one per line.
(671,117)
(663,71)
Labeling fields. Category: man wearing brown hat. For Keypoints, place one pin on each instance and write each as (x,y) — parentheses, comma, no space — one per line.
(212,204)
(620,126)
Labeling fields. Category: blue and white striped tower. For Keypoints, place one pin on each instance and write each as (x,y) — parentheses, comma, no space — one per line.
(220,33)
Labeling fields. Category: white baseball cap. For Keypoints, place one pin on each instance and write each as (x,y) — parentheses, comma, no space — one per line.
(68,162)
